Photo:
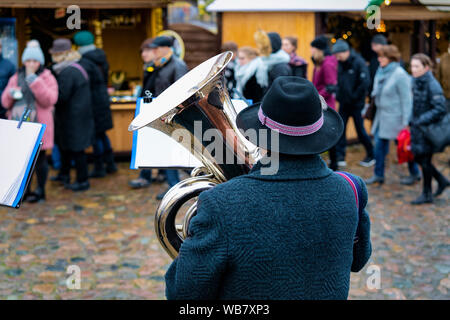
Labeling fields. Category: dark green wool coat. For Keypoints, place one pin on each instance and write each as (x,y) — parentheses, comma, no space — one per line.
(283,236)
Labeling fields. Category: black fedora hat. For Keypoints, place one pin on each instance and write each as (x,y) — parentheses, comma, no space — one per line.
(293,108)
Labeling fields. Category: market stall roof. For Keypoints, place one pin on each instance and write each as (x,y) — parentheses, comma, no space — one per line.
(436,5)
(287,5)
(88,4)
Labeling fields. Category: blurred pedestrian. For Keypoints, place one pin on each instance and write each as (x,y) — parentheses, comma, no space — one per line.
(248,75)
(165,70)
(377,43)
(393,97)
(230,79)
(298,65)
(7,69)
(429,107)
(325,80)
(94,62)
(39,92)
(353,83)
(147,55)
(74,120)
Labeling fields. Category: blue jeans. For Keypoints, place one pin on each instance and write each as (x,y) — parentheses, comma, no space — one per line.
(172,177)
(56,157)
(381,151)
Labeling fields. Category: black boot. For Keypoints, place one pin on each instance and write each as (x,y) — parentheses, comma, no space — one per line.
(37,196)
(425,197)
(442,184)
(108,157)
(99,168)
(78,186)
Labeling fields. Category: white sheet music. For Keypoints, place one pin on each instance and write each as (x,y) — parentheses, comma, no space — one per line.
(16,147)
(155,149)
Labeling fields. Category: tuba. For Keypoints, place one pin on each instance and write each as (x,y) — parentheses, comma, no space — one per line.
(187,111)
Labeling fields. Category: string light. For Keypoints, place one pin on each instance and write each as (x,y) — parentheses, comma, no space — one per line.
(387,2)
(333,40)
(344,36)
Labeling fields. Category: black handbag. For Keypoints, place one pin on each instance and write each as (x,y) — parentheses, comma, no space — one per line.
(438,133)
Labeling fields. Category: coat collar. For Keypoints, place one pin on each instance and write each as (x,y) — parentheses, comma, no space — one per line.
(293,168)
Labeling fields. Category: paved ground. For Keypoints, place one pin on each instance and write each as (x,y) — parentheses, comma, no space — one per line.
(108,232)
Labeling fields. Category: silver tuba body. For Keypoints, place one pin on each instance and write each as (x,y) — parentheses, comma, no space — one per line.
(197,102)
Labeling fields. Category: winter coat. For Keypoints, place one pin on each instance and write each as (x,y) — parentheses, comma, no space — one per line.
(160,78)
(99,95)
(393,97)
(45,91)
(278,70)
(7,69)
(353,82)
(74,122)
(98,57)
(429,106)
(253,91)
(325,75)
(267,237)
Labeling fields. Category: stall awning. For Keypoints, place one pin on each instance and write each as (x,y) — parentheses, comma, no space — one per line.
(88,4)
(436,5)
(287,5)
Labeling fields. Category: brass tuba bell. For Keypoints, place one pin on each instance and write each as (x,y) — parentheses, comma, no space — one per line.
(189,109)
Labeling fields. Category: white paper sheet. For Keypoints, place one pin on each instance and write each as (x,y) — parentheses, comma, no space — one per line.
(16,148)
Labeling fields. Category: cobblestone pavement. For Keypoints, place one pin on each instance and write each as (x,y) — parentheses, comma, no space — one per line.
(108,232)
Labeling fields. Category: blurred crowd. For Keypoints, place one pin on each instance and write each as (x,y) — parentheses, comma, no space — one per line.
(70,96)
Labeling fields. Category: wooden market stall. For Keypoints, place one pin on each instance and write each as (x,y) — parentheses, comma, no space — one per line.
(119,28)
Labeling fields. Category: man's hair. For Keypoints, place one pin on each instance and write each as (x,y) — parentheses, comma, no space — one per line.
(229,46)
(292,40)
(250,52)
(423,58)
(391,52)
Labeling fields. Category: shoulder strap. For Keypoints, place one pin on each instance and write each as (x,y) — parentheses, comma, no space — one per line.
(357,192)
(81,69)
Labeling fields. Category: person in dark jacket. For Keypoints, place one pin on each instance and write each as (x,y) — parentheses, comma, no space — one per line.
(94,62)
(288,234)
(7,70)
(164,70)
(298,65)
(429,106)
(277,63)
(74,121)
(325,79)
(353,83)
(248,75)
(274,60)
(378,41)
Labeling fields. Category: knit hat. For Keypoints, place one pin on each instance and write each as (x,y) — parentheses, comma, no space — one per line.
(379,39)
(83,38)
(275,41)
(33,53)
(161,41)
(340,46)
(321,43)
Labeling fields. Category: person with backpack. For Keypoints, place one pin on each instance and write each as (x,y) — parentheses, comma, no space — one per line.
(74,120)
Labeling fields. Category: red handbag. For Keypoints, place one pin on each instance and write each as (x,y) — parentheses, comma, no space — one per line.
(404,153)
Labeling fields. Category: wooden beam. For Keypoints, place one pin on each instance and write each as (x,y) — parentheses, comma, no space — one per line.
(86,4)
